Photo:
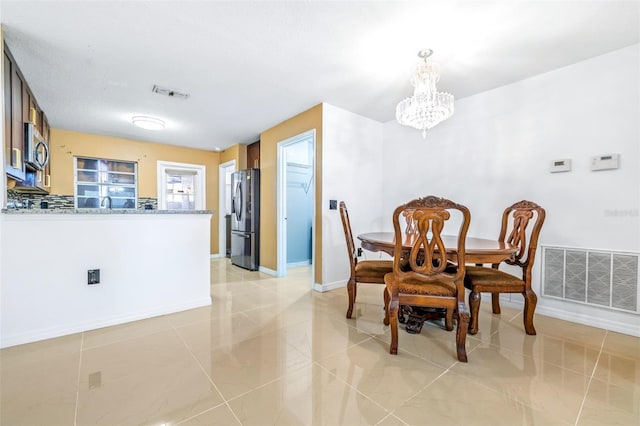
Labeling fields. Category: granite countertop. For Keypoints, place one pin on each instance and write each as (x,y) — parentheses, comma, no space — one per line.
(103,211)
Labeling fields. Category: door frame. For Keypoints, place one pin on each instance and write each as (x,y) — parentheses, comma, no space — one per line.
(281,202)
(222,187)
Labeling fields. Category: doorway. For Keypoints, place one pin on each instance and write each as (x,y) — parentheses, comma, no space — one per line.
(296,202)
(225,170)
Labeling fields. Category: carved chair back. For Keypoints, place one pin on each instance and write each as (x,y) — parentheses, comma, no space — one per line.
(346,225)
(410,225)
(427,259)
(516,231)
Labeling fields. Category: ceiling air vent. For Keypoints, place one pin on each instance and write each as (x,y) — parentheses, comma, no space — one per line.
(169,92)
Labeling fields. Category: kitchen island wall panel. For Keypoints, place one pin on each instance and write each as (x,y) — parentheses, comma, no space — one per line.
(150,264)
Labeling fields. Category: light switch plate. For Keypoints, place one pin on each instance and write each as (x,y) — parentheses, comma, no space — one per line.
(93,276)
(605,162)
(563,165)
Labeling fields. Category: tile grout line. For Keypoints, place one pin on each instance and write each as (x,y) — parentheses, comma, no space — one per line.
(421,390)
(75,416)
(265,384)
(593,372)
(124,339)
(358,391)
(393,417)
(225,401)
(390,412)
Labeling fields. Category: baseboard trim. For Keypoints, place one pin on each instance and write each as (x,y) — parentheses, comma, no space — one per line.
(589,320)
(267,271)
(299,264)
(49,333)
(576,317)
(216,256)
(329,286)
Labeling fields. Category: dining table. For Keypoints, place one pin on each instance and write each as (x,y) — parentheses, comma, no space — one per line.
(478,251)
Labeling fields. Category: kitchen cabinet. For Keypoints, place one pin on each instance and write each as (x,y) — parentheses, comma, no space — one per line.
(253,155)
(13,125)
(20,107)
(47,169)
(31,113)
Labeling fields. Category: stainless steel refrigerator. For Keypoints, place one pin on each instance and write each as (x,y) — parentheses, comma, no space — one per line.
(245,219)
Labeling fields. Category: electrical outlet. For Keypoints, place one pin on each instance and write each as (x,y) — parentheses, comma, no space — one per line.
(95,380)
(359,251)
(333,204)
(93,276)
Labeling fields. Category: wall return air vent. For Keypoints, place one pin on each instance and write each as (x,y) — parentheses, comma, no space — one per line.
(592,277)
(169,92)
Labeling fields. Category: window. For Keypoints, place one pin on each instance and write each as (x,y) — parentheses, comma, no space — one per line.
(101,183)
(181,186)
(180,190)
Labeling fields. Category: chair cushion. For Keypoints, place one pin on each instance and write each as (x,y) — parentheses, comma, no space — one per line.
(490,279)
(433,288)
(368,270)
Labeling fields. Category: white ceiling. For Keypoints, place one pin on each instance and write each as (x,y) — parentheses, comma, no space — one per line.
(250,65)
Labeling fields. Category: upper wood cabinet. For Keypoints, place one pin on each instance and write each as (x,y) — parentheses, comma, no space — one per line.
(253,155)
(47,169)
(20,107)
(13,124)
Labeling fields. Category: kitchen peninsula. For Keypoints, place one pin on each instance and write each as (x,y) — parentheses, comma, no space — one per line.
(151,262)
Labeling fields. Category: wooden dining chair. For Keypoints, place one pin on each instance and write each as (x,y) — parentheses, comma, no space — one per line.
(365,271)
(430,281)
(515,230)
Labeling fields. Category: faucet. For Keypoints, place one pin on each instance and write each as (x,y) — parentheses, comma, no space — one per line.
(104,201)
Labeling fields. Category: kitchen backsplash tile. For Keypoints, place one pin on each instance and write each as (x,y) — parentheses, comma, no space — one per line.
(56,201)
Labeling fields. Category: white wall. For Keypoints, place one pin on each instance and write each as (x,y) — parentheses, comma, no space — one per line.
(150,264)
(497,147)
(351,172)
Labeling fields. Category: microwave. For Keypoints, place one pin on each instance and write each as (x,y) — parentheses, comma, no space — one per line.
(36,151)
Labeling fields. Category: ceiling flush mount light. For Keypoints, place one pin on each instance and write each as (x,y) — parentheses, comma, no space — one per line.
(427,107)
(148,123)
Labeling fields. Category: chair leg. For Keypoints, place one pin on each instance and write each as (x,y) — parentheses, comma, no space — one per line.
(393,319)
(474,303)
(495,302)
(351,289)
(530,302)
(448,320)
(461,332)
(386,307)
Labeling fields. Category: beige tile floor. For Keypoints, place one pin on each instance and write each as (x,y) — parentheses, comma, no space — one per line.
(270,351)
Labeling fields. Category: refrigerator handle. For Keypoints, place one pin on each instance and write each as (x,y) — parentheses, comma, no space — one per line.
(237,209)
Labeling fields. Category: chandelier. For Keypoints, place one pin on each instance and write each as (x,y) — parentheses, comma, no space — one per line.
(427,107)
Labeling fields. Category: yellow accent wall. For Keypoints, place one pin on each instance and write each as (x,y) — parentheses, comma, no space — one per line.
(66,144)
(269,139)
(236,152)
